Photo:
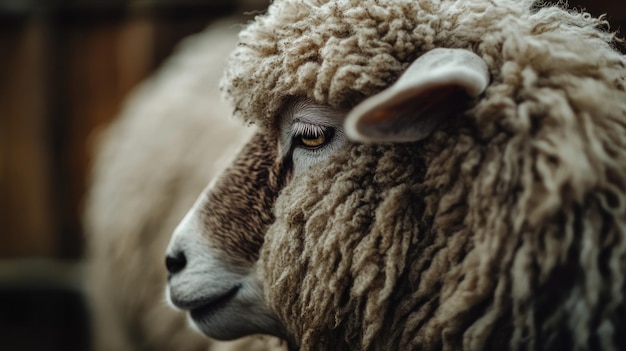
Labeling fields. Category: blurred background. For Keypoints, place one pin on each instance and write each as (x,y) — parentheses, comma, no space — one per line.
(65,68)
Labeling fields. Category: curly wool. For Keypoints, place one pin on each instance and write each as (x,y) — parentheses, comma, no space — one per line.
(339,52)
(506,229)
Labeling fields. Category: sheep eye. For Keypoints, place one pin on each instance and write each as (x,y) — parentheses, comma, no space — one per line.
(312,137)
(313,141)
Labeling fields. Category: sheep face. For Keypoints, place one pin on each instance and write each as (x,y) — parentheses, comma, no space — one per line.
(212,254)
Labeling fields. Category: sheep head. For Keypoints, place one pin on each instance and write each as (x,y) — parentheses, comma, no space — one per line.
(212,255)
(495,224)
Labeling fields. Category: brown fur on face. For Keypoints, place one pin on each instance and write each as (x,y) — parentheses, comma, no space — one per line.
(238,209)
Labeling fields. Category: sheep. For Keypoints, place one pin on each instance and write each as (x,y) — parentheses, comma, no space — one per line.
(481,206)
(146,174)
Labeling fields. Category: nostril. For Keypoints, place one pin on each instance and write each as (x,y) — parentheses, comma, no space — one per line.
(175,263)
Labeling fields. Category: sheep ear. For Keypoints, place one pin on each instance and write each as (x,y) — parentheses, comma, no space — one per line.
(436,86)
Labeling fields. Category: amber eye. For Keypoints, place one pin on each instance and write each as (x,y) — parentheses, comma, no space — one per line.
(313,141)
(314,138)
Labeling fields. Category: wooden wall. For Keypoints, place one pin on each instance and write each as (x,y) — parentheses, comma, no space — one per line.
(65,66)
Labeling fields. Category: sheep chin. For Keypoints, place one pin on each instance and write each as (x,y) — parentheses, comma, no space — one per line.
(236,314)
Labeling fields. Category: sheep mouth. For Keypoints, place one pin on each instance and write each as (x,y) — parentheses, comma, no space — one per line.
(207,307)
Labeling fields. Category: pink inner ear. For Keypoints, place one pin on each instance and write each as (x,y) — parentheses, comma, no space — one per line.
(433,88)
(411,116)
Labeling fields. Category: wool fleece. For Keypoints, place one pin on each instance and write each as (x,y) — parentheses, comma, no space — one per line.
(505,229)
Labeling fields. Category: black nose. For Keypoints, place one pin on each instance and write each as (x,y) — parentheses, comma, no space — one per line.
(175,263)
